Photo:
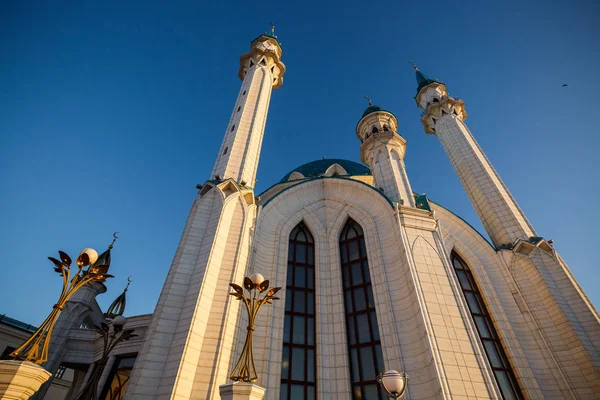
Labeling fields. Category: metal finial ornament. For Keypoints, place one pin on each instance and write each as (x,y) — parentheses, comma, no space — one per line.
(117,307)
(413,65)
(369,100)
(115,237)
(245,370)
(35,349)
(271,32)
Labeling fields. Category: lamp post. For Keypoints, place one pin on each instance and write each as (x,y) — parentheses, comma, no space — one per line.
(90,391)
(244,370)
(35,349)
(393,382)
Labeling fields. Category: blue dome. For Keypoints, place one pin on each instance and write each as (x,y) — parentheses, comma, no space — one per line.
(373,108)
(317,168)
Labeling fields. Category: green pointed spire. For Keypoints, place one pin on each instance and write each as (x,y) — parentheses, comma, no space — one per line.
(117,307)
(422,79)
(271,32)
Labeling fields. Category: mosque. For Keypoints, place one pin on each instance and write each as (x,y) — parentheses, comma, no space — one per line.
(374,277)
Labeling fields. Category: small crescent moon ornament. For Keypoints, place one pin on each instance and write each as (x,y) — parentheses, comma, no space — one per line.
(115,237)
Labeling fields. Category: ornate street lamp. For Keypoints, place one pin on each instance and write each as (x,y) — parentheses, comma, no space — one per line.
(35,349)
(393,382)
(90,391)
(244,370)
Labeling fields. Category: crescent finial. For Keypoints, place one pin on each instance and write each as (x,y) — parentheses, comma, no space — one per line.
(115,237)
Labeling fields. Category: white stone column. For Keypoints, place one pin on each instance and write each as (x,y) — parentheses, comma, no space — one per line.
(189,345)
(261,70)
(383,150)
(500,214)
(20,379)
(564,317)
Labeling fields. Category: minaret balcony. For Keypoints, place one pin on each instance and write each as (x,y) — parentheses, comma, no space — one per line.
(436,110)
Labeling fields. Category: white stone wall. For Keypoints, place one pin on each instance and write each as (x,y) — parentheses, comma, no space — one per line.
(420,314)
(569,328)
(533,363)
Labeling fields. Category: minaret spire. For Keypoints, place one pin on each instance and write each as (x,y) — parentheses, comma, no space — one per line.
(117,307)
(261,71)
(444,116)
(422,79)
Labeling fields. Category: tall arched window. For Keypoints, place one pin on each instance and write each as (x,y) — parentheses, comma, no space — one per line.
(489,337)
(298,365)
(364,345)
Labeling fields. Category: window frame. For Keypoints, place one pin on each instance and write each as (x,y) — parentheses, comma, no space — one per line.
(350,287)
(484,325)
(306,287)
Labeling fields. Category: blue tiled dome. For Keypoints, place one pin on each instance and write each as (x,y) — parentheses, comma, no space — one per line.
(317,168)
(373,108)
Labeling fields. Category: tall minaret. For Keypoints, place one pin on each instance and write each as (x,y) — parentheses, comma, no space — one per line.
(261,70)
(554,300)
(383,151)
(444,117)
(189,346)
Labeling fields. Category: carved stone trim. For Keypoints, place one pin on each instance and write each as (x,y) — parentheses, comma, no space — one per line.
(435,111)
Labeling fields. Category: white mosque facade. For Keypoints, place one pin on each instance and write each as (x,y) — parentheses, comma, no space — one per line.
(374,278)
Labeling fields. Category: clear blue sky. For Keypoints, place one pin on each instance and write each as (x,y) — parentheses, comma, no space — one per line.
(111,112)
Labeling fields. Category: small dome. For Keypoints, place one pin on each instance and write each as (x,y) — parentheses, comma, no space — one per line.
(318,168)
(373,108)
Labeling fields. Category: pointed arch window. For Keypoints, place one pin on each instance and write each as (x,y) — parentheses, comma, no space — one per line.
(364,344)
(298,365)
(507,382)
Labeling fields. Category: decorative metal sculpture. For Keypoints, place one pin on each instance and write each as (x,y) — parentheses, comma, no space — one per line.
(90,391)
(35,349)
(244,370)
